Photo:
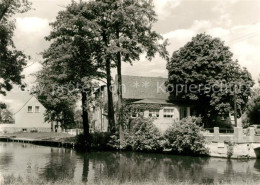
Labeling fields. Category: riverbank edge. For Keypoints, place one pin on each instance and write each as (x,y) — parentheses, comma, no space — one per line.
(216,150)
(38,142)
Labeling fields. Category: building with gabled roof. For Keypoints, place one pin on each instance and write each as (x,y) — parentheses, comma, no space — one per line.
(30,117)
(144,91)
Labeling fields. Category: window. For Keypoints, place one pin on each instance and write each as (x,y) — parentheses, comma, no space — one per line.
(154,113)
(37,108)
(30,109)
(168,112)
(134,115)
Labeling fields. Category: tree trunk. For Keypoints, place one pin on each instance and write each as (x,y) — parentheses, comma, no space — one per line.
(119,93)
(52,126)
(111,118)
(85,114)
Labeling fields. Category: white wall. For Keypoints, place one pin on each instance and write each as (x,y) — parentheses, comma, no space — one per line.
(164,123)
(29,120)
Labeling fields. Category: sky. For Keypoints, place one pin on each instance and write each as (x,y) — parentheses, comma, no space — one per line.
(237,22)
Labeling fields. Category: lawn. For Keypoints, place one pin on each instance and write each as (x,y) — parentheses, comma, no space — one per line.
(53,136)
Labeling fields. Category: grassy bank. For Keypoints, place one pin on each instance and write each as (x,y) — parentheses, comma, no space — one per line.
(11,180)
(50,136)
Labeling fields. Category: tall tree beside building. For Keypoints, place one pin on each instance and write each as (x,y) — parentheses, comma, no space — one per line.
(129,24)
(203,73)
(58,100)
(73,56)
(11,59)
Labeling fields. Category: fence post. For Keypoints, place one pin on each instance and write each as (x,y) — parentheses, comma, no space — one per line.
(238,134)
(251,134)
(216,134)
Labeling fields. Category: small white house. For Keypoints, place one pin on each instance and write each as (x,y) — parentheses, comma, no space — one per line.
(140,90)
(30,117)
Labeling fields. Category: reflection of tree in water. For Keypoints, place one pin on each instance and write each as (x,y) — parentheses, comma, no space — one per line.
(257,165)
(184,168)
(85,168)
(60,166)
(141,167)
(6,158)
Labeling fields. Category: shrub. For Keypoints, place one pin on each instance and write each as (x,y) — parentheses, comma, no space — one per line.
(97,141)
(230,149)
(185,137)
(144,136)
(114,142)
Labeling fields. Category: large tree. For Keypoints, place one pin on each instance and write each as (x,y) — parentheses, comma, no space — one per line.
(73,56)
(204,74)
(253,107)
(58,100)
(132,35)
(11,59)
(127,33)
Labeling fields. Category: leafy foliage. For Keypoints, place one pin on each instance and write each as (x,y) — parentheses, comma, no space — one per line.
(5,115)
(96,141)
(144,137)
(230,149)
(205,66)
(253,108)
(129,24)
(130,109)
(60,105)
(11,59)
(73,57)
(185,137)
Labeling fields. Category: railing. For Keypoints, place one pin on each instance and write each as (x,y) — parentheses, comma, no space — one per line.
(209,130)
(221,130)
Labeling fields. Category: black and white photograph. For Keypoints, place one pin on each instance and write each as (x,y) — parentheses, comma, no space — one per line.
(130,92)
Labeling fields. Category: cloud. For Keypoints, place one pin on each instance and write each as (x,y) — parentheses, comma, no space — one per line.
(29,34)
(163,8)
(201,25)
(14,100)
(31,24)
(29,38)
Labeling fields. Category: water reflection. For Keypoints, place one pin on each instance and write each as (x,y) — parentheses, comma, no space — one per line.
(61,165)
(54,164)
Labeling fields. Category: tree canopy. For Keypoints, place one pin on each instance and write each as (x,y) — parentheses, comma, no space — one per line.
(126,29)
(253,107)
(203,73)
(74,58)
(11,59)
(59,102)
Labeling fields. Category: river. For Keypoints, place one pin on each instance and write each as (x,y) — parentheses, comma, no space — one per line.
(53,164)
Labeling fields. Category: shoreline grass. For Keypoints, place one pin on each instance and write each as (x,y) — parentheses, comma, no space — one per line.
(12,180)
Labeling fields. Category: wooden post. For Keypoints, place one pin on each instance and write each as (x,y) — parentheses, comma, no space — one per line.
(235,106)
(216,134)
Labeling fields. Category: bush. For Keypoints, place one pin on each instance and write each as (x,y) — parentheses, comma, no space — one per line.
(96,141)
(114,142)
(185,137)
(145,136)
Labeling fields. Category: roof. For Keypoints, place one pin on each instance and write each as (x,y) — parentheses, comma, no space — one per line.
(139,87)
(31,98)
(153,101)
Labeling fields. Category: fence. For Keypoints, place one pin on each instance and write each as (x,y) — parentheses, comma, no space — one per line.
(237,135)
